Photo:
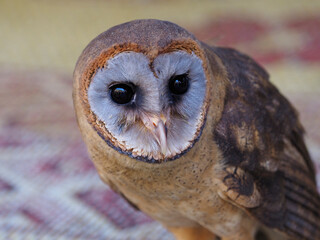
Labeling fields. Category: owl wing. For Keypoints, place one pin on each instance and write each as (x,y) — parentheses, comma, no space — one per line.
(268,170)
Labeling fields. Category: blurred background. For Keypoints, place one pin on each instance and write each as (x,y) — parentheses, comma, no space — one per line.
(49,188)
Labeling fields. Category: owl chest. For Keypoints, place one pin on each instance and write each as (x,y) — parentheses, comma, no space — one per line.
(178,198)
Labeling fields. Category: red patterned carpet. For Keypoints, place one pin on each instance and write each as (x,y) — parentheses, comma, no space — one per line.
(49,188)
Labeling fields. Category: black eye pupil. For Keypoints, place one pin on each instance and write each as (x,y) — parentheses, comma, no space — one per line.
(122,93)
(179,84)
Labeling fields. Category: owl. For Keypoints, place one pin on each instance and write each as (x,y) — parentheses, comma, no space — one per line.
(195,136)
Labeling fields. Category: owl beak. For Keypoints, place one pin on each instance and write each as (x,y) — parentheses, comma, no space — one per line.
(161,136)
(157,126)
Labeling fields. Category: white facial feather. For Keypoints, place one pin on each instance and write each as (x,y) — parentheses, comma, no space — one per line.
(181,131)
(153,97)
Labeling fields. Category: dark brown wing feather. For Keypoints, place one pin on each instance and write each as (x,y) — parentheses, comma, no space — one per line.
(260,135)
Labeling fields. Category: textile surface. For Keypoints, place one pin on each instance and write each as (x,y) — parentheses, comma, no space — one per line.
(49,188)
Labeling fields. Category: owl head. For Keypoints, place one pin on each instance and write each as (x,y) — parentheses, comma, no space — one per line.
(143,86)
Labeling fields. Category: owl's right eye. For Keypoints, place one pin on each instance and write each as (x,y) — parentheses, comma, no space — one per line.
(122,93)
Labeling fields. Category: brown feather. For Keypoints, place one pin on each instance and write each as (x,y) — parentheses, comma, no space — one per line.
(260,133)
(251,155)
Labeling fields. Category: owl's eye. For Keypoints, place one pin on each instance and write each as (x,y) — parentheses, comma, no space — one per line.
(122,93)
(179,84)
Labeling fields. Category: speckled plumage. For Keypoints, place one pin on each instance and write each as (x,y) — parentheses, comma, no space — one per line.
(247,161)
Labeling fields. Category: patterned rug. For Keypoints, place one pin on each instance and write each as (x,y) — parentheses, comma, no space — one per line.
(49,188)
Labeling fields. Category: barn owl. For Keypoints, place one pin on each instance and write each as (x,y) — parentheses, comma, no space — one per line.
(195,136)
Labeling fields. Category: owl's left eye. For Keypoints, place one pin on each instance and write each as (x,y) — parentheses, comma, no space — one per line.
(179,84)
(122,93)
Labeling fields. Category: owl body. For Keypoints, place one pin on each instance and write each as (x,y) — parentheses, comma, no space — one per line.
(183,193)
(195,136)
